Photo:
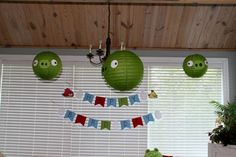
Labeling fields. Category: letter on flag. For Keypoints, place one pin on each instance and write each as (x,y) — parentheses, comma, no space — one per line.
(88,97)
(93,122)
(111,102)
(70,115)
(133,99)
(148,117)
(125,124)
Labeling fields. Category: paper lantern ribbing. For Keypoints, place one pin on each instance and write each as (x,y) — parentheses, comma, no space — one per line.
(123,70)
(195,65)
(47,65)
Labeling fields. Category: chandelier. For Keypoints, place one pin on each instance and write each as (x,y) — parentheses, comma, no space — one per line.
(102,55)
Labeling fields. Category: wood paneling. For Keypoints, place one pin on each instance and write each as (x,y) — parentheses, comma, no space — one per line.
(139,26)
(133,1)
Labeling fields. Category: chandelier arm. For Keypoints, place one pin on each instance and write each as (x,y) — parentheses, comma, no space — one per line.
(94,63)
(100,59)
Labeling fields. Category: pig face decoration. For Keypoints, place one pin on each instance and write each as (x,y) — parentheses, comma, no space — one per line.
(47,65)
(195,65)
(123,70)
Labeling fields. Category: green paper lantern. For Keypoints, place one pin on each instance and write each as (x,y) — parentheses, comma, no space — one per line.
(195,65)
(123,70)
(47,65)
(152,153)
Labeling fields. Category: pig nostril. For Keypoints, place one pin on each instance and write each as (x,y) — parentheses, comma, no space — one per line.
(200,64)
(46,64)
(42,63)
(196,65)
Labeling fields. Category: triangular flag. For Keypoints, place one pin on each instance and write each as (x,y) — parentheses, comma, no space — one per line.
(123,102)
(137,121)
(133,99)
(148,117)
(80,119)
(100,101)
(93,122)
(88,97)
(70,115)
(111,102)
(125,124)
(105,125)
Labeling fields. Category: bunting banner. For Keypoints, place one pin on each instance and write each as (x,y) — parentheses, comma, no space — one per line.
(137,121)
(133,99)
(100,101)
(123,102)
(111,102)
(106,124)
(80,119)
(93,123)
(148,118)
(70,115)
(125,124)
(88,97)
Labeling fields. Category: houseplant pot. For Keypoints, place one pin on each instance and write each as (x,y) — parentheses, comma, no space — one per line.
(223,137)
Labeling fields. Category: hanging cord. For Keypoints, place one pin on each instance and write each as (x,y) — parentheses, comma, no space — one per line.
(108,40)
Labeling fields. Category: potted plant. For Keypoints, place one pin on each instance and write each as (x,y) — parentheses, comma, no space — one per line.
(223,137)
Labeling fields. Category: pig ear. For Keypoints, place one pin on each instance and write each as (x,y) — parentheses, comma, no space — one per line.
(156,150)
(147,150)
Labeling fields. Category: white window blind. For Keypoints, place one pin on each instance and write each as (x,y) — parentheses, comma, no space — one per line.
(187,115)
(32,122)
(32,116)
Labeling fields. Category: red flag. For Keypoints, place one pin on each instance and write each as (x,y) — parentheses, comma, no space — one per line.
(100,101)
(80,119)
(137,121)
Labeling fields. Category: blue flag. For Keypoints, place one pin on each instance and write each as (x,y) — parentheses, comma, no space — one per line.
(133,99)
(147,118)
(93,122)
(111,102)
(88,97)
(125,124)
(70,115)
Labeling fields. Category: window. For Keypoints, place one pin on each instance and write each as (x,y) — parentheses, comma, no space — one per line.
(32,111)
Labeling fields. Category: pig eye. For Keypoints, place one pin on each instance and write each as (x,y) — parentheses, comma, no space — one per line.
(114,63)
(35,63)
(190,63)
(54,62)
(206,62)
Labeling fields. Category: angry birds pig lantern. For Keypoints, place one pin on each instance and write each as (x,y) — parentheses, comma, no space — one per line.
(123,70)
(195,65)
(153,153)
(47,65)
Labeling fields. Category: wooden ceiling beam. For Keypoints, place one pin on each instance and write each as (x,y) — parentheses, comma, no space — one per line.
(203,2)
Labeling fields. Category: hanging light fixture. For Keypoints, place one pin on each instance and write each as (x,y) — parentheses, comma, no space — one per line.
(102,56)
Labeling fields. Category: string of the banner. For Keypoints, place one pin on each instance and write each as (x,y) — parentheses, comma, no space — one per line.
(104,101)
(98,100)
(106,124)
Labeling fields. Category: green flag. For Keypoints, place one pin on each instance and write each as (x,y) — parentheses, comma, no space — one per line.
(105,124)
(123,102)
